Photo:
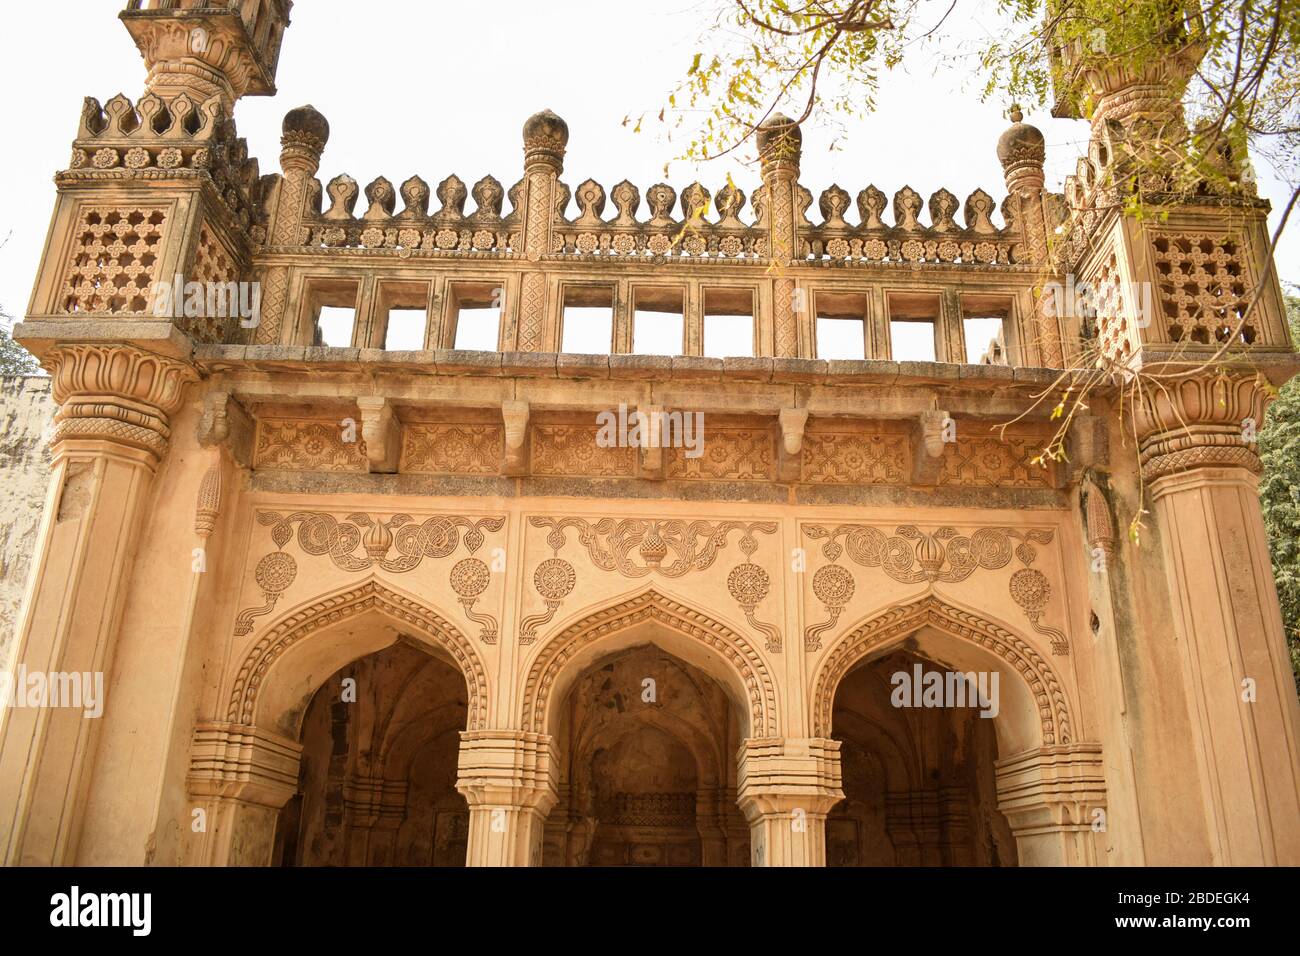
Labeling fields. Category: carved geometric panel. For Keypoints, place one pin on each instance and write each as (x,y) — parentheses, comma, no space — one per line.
(850,457)
(114,254)
(731,454)
(305,445)
(451,449)
(993,462)
(1204,287)
(572,450)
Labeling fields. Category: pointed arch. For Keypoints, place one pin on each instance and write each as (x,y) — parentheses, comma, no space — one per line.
(746,666)
(341,606)
(897,623)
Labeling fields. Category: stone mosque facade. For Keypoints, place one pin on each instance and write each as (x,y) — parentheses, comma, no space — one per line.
(362,605)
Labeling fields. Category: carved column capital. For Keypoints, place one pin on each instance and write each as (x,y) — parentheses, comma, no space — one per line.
(1201,422)
(116,393)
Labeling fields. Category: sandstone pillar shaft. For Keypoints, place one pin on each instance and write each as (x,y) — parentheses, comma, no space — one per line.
(1244,718)
(111,432)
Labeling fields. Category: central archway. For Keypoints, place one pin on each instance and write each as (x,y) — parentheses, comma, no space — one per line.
(648,702)
(717,649)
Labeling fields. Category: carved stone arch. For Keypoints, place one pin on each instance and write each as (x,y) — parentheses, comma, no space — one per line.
(260,660)
(899,622)
(732,647)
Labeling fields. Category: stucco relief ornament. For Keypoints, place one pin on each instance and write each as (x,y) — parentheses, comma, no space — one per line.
(911,555)
(635,548)
(834,587)
(317,534)
(469,578)
(554,580)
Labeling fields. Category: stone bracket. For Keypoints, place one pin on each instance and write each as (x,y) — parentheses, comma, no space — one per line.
(651,452)
(514,413)
(789,462)
(382,433)
(929,438)
(1087,445)
(225,423)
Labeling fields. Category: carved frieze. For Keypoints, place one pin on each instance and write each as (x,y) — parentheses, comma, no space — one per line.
(911,555)
(397,545)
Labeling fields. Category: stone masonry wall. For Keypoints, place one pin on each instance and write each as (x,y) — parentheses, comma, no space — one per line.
(26,413)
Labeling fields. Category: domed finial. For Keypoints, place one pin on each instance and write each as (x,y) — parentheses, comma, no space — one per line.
(306,121)
(780,143)
(1021,147)
(545,139)
(304,134)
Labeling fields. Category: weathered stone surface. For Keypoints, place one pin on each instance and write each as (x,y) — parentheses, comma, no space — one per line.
(26,421)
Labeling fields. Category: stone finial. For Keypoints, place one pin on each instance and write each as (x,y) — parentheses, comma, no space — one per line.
(780,144)
(304,134)
(545,139)
(1022,152)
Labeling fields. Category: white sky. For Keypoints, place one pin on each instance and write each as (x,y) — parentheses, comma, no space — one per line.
(439,87)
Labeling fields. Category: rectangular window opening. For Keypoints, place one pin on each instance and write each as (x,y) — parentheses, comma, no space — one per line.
(841,325)
(728,322)
(658,321)
(587,322)
(331,305)
(984,328)
(475,315)
(401,313)
(913,318)
(334,326)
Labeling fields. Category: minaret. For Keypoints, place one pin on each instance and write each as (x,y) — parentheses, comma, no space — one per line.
(1187,292)
(203,49)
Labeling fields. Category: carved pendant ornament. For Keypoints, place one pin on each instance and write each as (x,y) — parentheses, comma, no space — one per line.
(408,541)
(911,555)
(635,547)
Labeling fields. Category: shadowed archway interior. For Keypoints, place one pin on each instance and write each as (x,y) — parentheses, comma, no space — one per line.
(919,787)
(647,775)
(377,783)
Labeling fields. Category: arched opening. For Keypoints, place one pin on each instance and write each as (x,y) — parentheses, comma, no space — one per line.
(377,777)
(646,773)
(918,770)
(952,730)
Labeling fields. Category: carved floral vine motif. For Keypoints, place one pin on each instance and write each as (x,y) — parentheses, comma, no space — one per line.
(671,548)
(317,533)
(911,555)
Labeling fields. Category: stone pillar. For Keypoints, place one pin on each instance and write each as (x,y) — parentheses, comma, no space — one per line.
(304,134)
(1022,152)
(545,139)
(1050,797)
(110,434)
(240,778)
(786,788)
(779,148)
(507,777)
(1244,717)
